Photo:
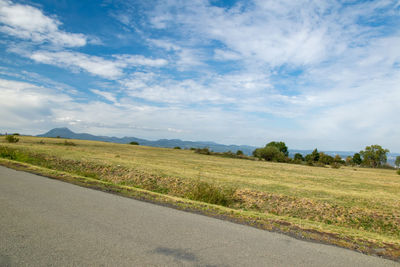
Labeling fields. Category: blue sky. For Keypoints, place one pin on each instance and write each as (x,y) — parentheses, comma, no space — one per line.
(322,74)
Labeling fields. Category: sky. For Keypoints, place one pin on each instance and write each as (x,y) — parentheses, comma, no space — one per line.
(314,74)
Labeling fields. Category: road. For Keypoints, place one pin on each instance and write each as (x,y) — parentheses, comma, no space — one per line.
(48,222)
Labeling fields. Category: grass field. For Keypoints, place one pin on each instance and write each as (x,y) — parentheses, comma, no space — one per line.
(354,207)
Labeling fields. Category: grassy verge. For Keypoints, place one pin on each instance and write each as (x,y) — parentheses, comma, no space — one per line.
(344,221)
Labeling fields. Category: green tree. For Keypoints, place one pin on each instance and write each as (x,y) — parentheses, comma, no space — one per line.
(338,159)
(269,153)
(315,155)
(325,159)
(374,156)
(257,152)
(281,146)
(357,159)
(134,143)
(239,153)
(298,157)
(349,160)
(397,162)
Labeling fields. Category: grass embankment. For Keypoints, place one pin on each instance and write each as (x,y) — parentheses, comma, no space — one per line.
(357,208)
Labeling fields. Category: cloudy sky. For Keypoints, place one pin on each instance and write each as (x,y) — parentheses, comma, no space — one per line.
(320,74)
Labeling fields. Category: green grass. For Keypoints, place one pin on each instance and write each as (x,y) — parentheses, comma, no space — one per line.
(353,203)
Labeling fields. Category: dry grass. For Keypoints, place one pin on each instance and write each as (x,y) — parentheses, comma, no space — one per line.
(365,202)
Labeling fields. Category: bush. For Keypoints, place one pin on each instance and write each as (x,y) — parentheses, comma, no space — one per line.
(204,151)
(398,171)
(177,147)
(134,143)
(12,138)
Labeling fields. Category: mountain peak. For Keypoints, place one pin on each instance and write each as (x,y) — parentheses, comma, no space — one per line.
(61,132)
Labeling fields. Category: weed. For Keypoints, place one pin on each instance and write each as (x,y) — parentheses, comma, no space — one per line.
(205,192)
(7,153)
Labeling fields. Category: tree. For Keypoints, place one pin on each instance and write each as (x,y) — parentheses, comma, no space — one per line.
(349,160)
(281,146)
(338,159)
(325,159)
(357,159)
(397,162)
(239,153)
(298,157)
(257,152)
(374,156)
(134,143)
(269,153)
(315,155)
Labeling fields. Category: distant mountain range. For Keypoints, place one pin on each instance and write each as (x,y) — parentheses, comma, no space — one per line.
(248,150)
(67,133)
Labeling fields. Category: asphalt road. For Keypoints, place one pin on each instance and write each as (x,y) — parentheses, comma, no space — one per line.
(47,222)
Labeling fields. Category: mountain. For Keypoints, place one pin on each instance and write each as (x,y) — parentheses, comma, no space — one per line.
(248,150)
(67,133)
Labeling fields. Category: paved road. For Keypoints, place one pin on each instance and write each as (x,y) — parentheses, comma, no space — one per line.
(47,222)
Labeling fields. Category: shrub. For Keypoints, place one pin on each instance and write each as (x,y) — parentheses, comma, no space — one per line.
(134,143)
(239,153)
(204,151)
(12,138)
(398,171)
(177,147)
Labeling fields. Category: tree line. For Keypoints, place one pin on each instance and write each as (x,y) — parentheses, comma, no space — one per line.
(373,156)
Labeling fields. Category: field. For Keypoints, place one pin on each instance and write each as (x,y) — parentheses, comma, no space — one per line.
(351,207)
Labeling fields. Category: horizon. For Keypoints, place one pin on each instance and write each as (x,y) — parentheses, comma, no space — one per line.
(320,75)
(201,141)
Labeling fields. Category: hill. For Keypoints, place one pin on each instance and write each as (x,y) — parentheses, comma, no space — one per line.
(168,143)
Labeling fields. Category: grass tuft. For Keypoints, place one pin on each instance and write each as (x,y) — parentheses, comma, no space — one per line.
(205,192)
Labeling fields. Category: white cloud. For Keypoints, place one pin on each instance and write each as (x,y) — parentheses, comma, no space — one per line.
(107,68)
(107,95)
(309,73)
(29,23)
(95,65)
(139,60)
